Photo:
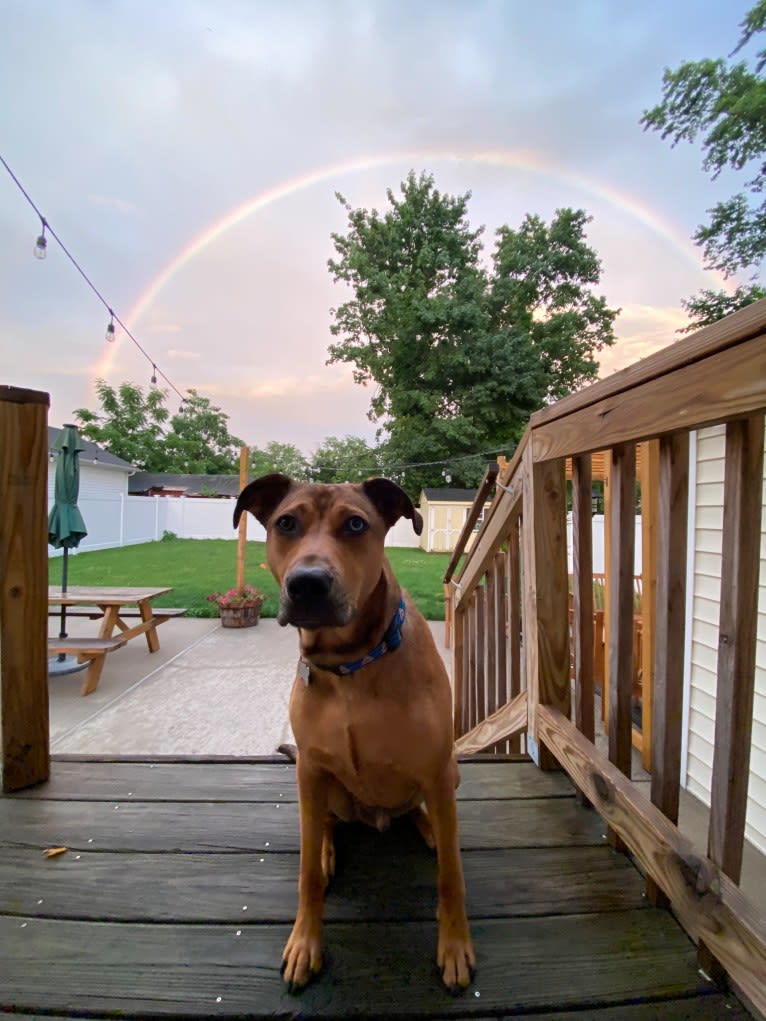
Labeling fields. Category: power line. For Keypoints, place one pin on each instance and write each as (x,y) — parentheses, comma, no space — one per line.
(114,318)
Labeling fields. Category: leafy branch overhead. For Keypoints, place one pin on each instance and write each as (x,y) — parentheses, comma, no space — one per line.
(722,103)
(459,355)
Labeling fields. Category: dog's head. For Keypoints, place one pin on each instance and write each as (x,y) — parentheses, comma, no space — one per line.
(325,543)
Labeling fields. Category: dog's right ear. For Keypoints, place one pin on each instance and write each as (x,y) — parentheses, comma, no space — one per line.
(262,496)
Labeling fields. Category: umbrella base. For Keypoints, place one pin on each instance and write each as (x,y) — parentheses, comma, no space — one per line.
(68,665)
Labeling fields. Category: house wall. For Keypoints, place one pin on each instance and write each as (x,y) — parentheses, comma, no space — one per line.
(706,534)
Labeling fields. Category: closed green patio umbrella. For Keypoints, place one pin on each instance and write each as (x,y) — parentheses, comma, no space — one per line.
(66,527)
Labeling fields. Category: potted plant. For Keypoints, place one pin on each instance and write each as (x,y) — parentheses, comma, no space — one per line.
(238,607)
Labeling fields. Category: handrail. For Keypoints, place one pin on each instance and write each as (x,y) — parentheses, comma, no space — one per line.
(512,631)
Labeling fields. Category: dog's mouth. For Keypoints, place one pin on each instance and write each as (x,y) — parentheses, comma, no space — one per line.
(312,617)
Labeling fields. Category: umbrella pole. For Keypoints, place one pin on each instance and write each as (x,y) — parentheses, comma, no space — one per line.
(64,580)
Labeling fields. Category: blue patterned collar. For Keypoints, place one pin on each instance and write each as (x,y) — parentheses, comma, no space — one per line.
(391,640)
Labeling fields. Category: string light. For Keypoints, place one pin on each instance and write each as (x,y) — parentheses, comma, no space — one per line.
(41,245)
(40,251)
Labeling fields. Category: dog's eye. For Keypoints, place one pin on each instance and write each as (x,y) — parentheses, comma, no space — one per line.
(287,524)
(355,525)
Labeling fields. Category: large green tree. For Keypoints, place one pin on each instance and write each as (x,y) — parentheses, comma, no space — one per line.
(722,103)
(459,355)
(285,458)
(129,425)
(346,459)
(136,425)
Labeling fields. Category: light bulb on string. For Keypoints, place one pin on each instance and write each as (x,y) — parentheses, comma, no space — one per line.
(153,380)
(110,336)
(41,245)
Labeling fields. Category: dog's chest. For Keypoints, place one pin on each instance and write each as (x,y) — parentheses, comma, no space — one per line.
(370,743)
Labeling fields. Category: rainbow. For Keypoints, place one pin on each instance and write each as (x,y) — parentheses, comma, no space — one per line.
(520,159)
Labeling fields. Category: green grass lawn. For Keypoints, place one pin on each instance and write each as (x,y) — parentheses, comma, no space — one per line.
(195,567)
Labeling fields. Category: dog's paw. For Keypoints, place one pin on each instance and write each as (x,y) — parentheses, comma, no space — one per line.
(301,958)
(456,961)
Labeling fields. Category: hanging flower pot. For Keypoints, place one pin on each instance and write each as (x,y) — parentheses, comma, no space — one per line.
(238,607)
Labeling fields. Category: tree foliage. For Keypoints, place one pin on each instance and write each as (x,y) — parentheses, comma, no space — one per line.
(706,306)
(460,355)
(285,458)
(723,104)
(347,459)
(137,426)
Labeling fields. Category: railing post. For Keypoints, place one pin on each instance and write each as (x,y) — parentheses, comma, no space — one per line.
(458,672)
(670,637)
(23,587)
(514,619)
(546,592)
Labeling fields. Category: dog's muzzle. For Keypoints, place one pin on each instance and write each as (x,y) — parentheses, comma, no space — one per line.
(310,599)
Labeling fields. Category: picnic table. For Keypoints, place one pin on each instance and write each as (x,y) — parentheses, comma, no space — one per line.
(111,606)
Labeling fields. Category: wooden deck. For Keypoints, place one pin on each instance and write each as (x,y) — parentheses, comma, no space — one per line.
(178,890)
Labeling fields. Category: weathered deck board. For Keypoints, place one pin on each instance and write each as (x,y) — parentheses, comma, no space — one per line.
(183,888)
(147,920)
(232,827)
(389,969)
(259,781)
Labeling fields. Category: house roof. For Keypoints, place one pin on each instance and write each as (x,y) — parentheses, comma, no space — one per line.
(91,451)
(446,495)
(192,485)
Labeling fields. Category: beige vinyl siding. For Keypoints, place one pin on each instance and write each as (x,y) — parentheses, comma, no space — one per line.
(708,528)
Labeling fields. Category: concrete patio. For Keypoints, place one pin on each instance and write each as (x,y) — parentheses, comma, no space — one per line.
(208,691)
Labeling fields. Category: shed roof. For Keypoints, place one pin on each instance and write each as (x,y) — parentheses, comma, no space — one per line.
(447,495)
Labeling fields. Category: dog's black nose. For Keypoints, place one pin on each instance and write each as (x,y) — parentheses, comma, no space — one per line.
(308,584)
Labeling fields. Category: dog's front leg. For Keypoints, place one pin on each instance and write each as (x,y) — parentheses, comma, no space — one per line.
(455,956)
(302,956)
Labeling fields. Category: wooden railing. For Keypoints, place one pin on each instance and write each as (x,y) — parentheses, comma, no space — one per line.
(511,620)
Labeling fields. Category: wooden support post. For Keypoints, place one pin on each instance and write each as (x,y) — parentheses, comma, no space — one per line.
(736,652)
(620,649)
(458,672)
(582,595)
(244,477)
(491,629)
(582,598)
(607,584)
(546,595)
(671,627)
(501,637)
(480,603)
(650,481)
(25,741)
(514,621)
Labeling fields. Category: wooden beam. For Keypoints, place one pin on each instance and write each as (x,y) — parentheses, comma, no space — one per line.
(582,594)
(501,634)
(458,672)
(723,386)
(671,629)
(514,620)
(710,906)
(244,478)
(473,516)
(736,641)
(25,737)
(620,651)
(729,332)
(507,721)
(546,591)
(649,475)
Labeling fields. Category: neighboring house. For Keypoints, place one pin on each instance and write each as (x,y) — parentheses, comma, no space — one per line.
(706,490)
(103,489)
(175,485)
(444,513)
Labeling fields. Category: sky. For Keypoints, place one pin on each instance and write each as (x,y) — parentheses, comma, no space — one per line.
(188,153)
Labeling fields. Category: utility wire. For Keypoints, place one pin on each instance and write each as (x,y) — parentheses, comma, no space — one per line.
(87,279)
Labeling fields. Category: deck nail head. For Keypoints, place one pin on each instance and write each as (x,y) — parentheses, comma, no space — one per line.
(218,999)
(266,844)
(477,994)
(23,925)
(40,901)
(244,907)
(238,932)
(77,857)
(263,859)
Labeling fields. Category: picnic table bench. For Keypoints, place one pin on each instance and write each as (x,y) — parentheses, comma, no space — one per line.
(112,606)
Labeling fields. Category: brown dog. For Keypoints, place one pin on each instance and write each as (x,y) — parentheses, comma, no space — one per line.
(371,707)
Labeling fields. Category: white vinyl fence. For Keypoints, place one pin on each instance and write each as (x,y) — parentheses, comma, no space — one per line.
(120,520)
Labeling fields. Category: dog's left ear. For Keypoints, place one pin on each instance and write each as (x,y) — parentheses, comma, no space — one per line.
(392,503)
(262,496)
